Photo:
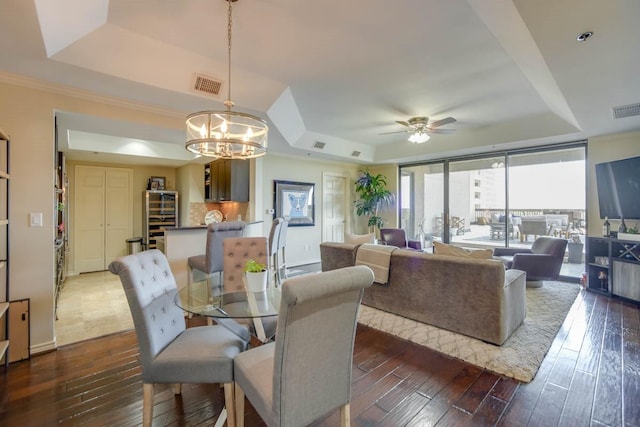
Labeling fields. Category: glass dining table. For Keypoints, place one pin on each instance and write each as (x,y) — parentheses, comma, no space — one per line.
(203,299)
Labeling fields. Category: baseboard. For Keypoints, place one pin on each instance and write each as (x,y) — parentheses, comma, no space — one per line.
(42,348)
(303,263)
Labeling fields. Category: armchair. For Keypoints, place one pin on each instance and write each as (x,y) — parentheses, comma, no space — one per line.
(542,262)
(398,237)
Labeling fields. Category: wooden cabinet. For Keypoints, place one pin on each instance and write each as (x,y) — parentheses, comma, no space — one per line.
(613,267)
(226,180)
(4,247)
(160,211)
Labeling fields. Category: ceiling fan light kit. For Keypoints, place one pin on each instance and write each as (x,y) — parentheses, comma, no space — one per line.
(419,128)
(226,134)
(419,137)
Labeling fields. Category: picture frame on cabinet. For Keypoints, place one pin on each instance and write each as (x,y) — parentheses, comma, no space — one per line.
(157,183)
(295,202)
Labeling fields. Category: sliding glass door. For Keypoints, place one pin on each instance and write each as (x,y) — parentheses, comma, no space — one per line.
(499,200)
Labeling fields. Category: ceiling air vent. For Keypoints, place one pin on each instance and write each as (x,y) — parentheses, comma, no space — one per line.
(319,145)
(626,111)
(355,154)
(206,84)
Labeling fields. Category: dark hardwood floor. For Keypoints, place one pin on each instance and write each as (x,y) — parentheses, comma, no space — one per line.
(590,377)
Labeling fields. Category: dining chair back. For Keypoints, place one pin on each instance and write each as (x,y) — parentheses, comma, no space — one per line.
(169,352)
(274,240)
(280,259)
(236,252)
(211,261)
(306,373)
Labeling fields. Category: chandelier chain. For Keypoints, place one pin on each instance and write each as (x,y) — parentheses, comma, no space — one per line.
(229,102)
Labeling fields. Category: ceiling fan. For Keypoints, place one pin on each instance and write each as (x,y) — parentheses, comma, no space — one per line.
(420,128)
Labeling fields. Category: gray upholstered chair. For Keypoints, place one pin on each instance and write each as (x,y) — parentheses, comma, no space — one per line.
(274,240)
(397,237)
(211,261)
(542,262)
(306,373)
(169,352)
(280,259)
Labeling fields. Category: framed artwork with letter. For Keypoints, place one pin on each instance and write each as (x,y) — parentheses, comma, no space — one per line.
(295,202)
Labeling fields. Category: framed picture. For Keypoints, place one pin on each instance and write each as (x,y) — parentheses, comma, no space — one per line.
(295,202)
(156,183)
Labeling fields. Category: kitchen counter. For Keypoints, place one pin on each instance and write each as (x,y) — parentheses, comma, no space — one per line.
(180,243)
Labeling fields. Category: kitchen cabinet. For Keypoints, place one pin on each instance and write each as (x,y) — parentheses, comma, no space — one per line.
(226,180)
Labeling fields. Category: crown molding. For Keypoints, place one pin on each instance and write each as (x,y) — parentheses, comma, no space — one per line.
(59,89)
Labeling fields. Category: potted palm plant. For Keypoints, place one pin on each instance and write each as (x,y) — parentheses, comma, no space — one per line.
(373,193)
(256,275)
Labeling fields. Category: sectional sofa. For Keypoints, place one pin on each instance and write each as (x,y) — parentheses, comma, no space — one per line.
(474,297)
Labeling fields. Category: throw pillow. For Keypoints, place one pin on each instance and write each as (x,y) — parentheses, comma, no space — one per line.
(444,249)
(358,239)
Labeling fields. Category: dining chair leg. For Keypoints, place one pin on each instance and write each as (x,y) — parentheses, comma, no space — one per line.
(147,404)
(177,388)
(239,406)
(345,415)
(230,405)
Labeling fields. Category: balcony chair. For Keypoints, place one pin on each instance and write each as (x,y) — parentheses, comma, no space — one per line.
(542,262)
(398,237)
(211,261)
(169,352)
(306,373)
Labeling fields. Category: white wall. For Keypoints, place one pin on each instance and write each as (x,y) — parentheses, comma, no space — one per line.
(604,149)
(278,167)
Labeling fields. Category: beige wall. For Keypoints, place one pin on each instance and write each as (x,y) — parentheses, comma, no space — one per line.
(27,115)
(277,167)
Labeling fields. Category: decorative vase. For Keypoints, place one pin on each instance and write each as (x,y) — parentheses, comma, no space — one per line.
(257,282)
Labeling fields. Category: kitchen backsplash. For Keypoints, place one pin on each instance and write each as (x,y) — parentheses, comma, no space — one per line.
(230,211)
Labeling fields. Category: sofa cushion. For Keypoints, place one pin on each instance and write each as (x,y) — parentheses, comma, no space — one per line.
(444,249)
(358,239)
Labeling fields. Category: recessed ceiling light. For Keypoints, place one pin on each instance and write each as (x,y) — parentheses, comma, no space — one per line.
(584,36)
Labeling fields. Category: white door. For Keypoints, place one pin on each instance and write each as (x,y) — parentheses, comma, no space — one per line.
(335,199)
(119,213)
(104,215)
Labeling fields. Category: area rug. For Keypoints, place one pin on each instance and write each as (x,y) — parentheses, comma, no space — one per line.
(519,357)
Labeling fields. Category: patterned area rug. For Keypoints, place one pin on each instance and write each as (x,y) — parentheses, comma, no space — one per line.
(519,357)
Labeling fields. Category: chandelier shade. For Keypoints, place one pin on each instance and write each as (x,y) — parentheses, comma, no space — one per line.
(227,134)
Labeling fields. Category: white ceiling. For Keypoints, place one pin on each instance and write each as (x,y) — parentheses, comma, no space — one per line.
(339,72)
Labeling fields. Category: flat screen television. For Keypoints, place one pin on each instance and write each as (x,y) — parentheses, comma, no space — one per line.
(619,188)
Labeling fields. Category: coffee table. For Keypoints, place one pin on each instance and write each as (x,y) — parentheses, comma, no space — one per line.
(214,302)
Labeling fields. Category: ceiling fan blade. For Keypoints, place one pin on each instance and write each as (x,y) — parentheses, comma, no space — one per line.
(441,130)
(400,122)
(398,131)
(442,122)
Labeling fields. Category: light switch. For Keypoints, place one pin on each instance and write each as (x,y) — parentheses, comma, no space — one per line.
(35,219)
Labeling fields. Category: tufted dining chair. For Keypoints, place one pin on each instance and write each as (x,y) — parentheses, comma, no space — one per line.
(274,240)
(211,261)
(306,373)
(237,251)
(169,352)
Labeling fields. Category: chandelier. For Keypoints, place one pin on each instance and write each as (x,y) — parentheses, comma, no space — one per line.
(227,134)
(418,137)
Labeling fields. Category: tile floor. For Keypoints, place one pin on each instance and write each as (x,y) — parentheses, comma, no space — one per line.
(91,305)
